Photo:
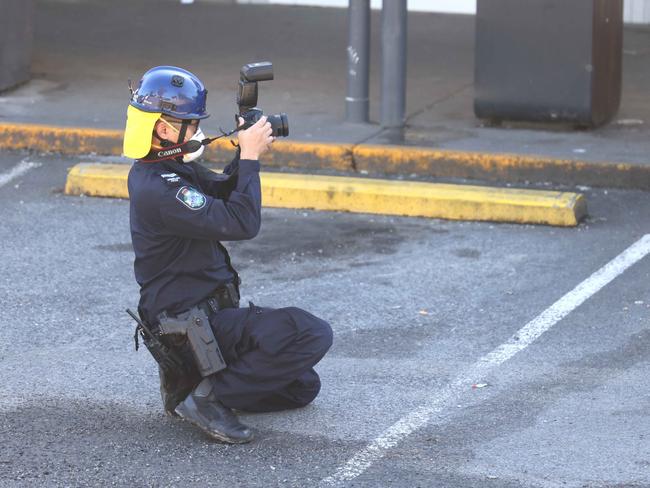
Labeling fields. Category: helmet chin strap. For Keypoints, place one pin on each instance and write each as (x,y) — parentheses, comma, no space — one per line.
(182,132)
(181,138)
(164,142)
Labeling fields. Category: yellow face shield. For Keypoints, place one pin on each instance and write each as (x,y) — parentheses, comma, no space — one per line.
(137,135)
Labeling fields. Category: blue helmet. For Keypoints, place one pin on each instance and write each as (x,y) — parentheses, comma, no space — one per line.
(162,90)
(172,91)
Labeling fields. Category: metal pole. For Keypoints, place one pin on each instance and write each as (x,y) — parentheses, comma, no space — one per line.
(393,66)
(356,103)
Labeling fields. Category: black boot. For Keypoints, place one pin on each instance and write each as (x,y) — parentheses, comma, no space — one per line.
(203,409)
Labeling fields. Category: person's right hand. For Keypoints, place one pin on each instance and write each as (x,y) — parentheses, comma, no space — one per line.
(255,140)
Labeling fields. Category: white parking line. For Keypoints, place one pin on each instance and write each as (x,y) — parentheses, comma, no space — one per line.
(377,448)
(20,169)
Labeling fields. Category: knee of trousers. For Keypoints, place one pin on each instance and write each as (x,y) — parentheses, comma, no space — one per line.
(308,394)
(317,330)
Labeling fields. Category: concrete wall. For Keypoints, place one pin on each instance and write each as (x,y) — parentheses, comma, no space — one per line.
(636,11)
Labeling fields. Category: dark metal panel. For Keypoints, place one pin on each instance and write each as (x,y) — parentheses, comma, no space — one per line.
(16,38)
(607,59)
(547,60)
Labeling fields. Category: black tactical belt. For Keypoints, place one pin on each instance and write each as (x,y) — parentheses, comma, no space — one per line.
(226,296)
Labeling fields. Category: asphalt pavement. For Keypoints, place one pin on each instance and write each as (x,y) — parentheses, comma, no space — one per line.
(417,306)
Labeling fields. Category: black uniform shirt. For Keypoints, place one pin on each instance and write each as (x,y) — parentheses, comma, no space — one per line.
(179,212)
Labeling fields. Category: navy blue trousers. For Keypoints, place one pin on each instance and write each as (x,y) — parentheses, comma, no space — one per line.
(270,355)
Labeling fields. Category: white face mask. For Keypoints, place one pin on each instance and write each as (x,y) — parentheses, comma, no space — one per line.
(198,136)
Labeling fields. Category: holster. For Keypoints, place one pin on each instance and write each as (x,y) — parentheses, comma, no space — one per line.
(195,325)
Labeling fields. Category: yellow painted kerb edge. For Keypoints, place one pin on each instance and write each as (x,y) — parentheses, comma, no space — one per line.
(388,197)
(390,159)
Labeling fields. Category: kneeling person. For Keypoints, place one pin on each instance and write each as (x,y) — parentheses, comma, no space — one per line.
(179,213)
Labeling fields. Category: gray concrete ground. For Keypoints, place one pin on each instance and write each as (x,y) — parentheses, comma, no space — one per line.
(85,51)
(412,302)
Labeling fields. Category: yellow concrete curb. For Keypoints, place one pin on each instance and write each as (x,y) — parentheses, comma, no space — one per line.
(498,166)
(80,140)
(64,140)
(98,180)
(369,159)
(408,198)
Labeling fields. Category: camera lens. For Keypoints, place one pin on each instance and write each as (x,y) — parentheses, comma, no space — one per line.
(279,124)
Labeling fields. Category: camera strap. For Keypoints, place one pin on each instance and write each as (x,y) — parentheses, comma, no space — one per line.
(179,150)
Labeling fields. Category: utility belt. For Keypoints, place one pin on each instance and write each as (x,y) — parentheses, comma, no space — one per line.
(226,296)
(191,327)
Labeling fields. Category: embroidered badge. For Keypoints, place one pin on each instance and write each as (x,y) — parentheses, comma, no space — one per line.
(191,198)
(170,177)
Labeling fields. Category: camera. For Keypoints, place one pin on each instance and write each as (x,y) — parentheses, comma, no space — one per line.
(249,75)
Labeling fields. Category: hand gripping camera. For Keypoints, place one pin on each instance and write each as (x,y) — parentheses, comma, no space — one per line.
(250,74)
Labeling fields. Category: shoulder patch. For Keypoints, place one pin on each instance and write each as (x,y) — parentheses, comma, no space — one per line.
(191,198)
